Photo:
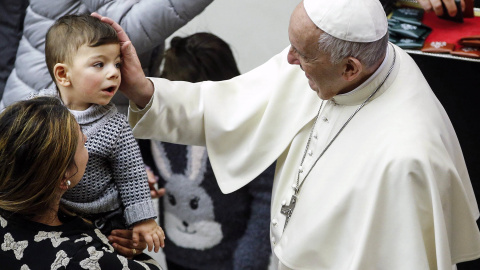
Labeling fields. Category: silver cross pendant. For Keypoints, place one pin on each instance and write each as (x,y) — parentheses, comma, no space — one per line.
(287,210)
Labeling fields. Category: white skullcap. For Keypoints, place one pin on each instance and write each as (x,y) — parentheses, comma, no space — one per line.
(350,20)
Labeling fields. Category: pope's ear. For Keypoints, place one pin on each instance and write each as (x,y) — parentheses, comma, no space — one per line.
(60,71)
(352,69)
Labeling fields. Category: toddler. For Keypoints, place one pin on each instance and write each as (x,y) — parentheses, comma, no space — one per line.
(83,58)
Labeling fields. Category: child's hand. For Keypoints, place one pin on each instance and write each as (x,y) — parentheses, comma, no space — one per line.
(149,231)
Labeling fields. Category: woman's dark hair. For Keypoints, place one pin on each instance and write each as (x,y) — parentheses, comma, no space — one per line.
(38,141)
(199,57)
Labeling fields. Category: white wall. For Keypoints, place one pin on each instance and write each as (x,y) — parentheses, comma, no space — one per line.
(255,29)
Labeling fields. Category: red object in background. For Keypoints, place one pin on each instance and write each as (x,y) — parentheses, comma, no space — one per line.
(451,32)
(469,9)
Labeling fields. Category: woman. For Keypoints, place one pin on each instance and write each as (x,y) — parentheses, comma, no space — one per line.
(42,155)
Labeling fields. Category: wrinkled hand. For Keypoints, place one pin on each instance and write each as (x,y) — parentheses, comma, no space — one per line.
(135,85)
(152,180)
(122,242)
(436,6)
(150,232)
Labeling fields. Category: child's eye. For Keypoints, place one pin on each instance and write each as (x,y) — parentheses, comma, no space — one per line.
(118,65)
(99,64)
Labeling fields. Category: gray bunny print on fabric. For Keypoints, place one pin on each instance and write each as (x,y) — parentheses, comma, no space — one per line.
(189,211)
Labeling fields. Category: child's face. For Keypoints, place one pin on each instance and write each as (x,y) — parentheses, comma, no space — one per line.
(94,76)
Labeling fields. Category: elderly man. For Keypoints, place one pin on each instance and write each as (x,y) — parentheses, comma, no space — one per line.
(369,176)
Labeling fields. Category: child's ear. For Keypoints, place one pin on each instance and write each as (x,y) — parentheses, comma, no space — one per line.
(60,71)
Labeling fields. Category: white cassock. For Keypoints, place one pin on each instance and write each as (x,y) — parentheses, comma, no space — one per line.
(391,192)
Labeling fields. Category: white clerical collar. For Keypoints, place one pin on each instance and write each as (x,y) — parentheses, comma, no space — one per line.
(360,93)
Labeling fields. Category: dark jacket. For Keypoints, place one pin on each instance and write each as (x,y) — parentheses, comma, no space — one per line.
(12,13)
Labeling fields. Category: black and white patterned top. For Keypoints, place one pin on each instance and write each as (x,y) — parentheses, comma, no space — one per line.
(115,176)
(74,245)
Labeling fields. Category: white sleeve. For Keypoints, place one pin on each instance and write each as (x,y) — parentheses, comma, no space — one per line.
(245,122)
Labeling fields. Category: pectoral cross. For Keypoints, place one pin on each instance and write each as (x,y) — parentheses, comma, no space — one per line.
(287,210)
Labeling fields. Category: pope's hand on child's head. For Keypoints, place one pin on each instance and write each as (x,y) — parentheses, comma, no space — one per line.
(150,232)
(135,85)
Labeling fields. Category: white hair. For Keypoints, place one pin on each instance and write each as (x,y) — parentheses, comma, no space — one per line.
(368,53)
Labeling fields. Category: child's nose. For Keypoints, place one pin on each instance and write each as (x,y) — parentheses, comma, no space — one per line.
(113,72)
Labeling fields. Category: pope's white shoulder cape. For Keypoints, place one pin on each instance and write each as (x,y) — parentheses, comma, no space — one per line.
(392,192)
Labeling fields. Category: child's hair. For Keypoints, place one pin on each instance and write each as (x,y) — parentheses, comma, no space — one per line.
(70,32)
(38,141)
(199,57)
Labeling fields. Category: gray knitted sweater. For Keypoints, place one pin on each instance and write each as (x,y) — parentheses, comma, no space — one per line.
(115,176)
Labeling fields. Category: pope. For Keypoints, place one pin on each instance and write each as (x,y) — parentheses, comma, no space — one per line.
(370,174)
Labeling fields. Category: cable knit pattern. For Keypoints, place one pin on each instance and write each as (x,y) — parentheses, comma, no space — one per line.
(115,173)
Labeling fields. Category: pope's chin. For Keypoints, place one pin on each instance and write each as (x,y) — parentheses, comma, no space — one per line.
(314,87)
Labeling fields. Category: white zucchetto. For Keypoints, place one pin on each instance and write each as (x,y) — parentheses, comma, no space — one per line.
(350,20)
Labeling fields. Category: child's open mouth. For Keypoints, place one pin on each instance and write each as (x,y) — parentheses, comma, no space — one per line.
(110,89)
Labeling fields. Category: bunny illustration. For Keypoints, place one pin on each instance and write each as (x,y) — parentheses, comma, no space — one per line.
(206,229)
(189,210)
